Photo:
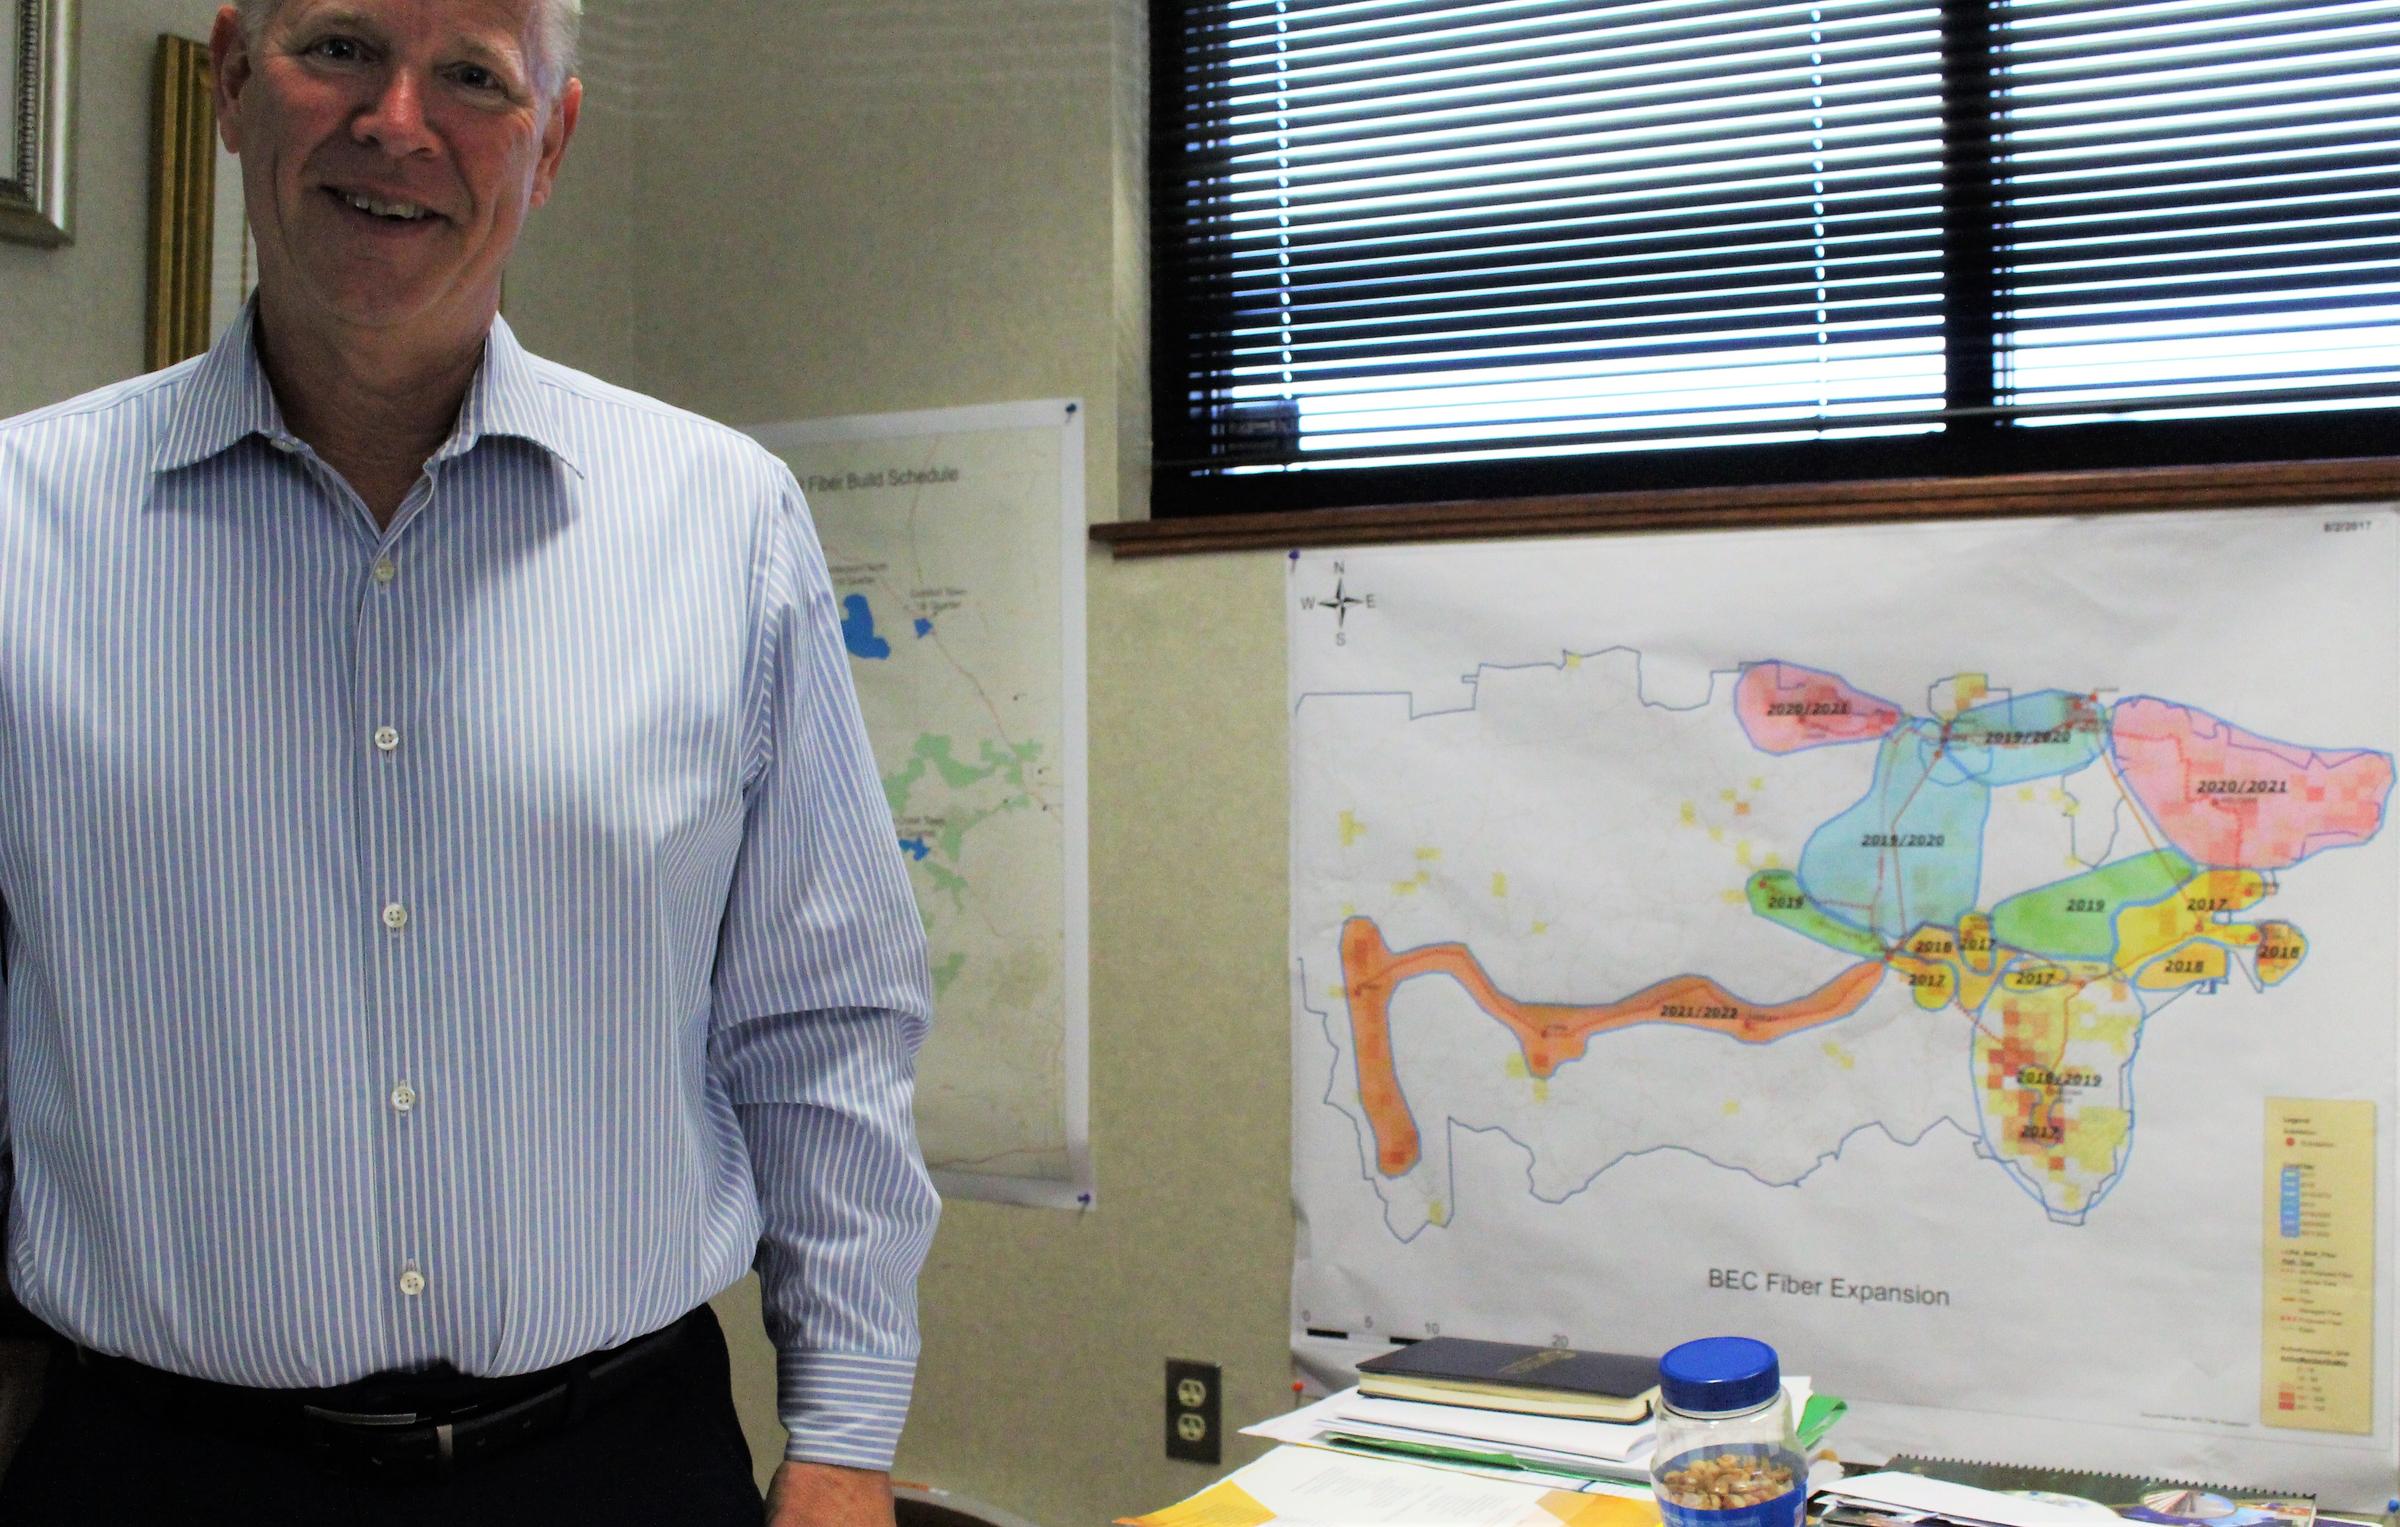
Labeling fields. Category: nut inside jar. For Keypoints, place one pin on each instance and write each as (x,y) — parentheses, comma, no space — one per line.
(1726,1482)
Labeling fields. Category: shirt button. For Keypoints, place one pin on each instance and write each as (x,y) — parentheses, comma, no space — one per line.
(387,738)
(412,1283)
(404,1098)
(386,569)
(395,917)
(284,443)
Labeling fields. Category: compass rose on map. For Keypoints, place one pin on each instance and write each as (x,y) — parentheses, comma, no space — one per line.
(1341,602)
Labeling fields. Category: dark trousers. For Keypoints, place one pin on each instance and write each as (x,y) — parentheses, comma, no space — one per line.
(669,1453)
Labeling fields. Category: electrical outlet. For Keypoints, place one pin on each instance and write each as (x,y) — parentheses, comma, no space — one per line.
(1194,1411)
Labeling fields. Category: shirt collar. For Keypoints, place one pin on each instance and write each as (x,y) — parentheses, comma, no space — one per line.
(226,398)
(507,398)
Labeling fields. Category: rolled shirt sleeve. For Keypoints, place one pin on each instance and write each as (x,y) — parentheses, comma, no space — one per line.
(821,1000)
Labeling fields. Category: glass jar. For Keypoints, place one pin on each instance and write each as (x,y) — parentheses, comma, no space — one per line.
(1725,1455)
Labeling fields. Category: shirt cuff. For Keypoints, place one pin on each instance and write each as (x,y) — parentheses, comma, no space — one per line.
(843,1407)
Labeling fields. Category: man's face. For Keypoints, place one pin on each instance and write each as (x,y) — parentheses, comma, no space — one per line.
(390,151)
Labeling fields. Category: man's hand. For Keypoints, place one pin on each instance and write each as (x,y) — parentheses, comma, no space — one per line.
(825,1495)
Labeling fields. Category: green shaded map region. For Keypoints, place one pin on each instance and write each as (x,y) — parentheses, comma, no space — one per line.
(1776,896)
(2076,918)
(933,835)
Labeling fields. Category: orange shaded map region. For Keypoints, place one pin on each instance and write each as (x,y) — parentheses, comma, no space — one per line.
(1550,1034)
(1784,707)
(2233,799)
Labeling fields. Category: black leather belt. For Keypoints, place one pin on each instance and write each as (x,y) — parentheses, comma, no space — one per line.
(403,1425)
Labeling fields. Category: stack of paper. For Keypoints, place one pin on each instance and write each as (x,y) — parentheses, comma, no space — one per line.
(1591,1457)
(1358,1461)
(1585,1456)
(1310,1487)
(1894,1499)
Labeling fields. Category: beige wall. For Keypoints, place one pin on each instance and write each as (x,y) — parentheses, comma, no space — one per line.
(785,208)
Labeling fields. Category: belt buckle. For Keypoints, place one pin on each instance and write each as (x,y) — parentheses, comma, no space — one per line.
(366,1437)
(364,1418)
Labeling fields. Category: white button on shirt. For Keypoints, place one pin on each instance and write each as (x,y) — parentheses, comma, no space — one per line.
(386,569)
(412,1283)
(395,917)
(404,1098)
(387,738)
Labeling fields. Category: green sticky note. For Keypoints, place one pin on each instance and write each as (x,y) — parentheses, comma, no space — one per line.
(1818,1416)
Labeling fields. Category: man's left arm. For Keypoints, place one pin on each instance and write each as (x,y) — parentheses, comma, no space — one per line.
(822,998)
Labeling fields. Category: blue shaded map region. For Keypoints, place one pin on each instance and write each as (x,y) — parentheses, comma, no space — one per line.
(858,629)
(1911,850)
(915,848)
(924,626)
(2010,742)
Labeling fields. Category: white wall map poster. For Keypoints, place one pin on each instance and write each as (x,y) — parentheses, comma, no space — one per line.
(1962,954)
(955,540)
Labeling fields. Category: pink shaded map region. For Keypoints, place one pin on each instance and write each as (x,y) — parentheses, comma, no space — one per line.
(1785,708)
(2235,800)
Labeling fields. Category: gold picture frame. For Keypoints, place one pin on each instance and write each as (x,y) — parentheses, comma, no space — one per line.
(202,265)
(37,53)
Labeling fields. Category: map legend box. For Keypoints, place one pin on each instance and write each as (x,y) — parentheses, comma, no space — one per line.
(2317,1368)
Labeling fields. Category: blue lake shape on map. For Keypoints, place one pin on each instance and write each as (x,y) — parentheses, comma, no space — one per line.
(858,629)
(924,626)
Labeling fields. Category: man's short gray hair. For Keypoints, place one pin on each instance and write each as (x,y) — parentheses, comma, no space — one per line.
(562,20)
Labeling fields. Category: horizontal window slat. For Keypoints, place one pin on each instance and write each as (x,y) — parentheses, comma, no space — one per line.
(2035,23)
(2227,192)
(1907,182)
(1764,102)
(1912,363)
(2253,84)
(1640,274)
(1677,223)
(1461,38)
(1493,179)
(1855,71)
(1310,327)
(1897,169)
(2215,268)
(1474,351)
(2194,181)
(2331,129)
(2167,54)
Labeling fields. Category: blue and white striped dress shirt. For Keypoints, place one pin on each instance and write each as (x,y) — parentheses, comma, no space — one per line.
(477,939)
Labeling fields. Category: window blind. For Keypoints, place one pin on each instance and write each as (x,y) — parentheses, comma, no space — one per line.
(2199,206)
(1432,241)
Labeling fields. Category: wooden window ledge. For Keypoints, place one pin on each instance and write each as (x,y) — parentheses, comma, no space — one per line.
(2088,492)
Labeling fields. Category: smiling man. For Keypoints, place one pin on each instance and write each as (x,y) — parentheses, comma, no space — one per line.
(449,923)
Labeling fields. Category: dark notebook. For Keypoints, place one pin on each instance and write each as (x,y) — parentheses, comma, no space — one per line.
(1502,1375)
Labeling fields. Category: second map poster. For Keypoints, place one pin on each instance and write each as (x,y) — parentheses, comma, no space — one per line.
(1963,955)
(954,542)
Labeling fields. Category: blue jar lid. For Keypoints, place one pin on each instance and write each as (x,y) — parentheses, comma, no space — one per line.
(1717,1374)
